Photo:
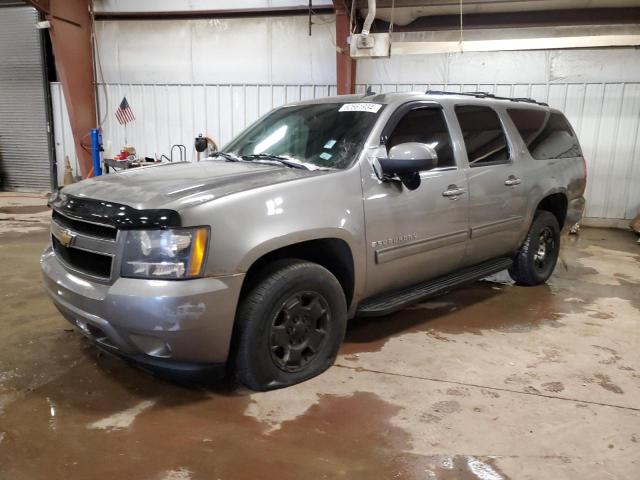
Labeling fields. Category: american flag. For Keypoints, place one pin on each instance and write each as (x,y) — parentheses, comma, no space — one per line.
(124,114)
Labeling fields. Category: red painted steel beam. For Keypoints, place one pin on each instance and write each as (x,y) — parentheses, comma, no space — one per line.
(345,65)
(70,34)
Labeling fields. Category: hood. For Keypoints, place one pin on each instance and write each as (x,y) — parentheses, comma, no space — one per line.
(180,185)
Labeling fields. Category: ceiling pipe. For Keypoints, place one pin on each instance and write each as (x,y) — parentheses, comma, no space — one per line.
(371,15)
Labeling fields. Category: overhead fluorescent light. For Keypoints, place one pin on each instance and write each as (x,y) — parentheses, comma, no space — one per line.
(544,43)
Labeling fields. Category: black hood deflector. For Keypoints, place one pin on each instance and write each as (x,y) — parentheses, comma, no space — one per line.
(113,214)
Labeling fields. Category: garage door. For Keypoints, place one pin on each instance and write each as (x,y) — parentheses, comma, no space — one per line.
(24,138)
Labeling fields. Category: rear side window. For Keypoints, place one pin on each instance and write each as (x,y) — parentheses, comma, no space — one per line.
(425,125)
(547,135)
(483,135)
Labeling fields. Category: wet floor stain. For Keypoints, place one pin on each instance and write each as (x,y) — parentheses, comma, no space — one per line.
(458,391)
(122,419)
(609,354)
(605,382)
(23,209)
(198,434)
(68,412)
(20,215)
(474,309)
(446,407)
(179,474)
(554,387)
(464,468)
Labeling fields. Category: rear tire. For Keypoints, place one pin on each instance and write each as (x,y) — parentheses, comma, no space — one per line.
(289,325)
(537,257)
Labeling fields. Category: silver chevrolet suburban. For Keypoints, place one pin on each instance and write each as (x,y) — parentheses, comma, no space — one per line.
(253,261)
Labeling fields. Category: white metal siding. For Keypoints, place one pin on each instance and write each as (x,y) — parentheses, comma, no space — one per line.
(265,50)
(606,117)
(598,87)
(176,114)
(24,139)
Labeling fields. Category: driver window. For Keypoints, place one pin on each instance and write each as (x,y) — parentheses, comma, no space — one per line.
(425,125)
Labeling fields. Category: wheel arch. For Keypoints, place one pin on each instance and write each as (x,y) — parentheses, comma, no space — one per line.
(555,203)
(331,252)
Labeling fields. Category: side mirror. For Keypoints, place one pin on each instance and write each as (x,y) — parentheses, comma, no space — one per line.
(406,160)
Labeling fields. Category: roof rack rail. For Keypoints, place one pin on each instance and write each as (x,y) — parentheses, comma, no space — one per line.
(487,95)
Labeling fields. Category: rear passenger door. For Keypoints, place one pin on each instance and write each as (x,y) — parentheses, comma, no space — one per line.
(497,204)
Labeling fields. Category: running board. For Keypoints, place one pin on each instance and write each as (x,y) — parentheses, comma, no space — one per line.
(386,303)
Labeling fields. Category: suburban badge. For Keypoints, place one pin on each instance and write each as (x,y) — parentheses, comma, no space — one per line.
(394,240)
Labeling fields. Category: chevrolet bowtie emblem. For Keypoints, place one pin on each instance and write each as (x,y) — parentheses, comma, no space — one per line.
(66,237)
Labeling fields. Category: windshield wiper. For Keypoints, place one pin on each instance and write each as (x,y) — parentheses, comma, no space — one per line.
(229,157)
(275,158)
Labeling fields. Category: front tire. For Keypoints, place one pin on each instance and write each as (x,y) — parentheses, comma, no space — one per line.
(290,325)
(536,259)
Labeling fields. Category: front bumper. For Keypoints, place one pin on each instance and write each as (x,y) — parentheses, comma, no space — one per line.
(182,326)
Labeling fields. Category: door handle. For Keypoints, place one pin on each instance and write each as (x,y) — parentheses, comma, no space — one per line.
(512,180)
(453,191)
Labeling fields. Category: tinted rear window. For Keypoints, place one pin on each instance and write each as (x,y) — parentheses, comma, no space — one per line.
(483,135)
(547,135)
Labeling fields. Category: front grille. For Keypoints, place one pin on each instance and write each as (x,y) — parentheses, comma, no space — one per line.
(91,229)
(89,263)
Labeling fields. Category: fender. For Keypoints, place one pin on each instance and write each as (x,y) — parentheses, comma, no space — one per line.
(293,238)
(535,197)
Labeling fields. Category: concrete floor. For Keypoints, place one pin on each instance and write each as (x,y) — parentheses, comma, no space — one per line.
(488,382)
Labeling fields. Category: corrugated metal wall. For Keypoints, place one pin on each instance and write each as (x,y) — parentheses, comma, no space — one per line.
(606,117)
(169,114)
(24,138)
(264,50)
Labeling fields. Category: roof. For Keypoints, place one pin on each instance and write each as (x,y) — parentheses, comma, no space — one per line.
(435,95)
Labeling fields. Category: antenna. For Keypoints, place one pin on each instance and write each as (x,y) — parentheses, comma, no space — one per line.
(369,91)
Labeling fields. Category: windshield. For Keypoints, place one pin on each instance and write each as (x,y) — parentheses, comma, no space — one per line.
(327,135)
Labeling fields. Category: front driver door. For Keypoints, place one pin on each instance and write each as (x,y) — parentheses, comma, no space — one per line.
(416,235)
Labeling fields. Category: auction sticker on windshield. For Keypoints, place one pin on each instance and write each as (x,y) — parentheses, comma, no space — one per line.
(360,107)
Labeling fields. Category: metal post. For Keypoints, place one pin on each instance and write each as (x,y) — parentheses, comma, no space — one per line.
(345,65)
(96,148)
(70,35)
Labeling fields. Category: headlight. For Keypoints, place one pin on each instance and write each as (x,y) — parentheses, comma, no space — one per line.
(165,254)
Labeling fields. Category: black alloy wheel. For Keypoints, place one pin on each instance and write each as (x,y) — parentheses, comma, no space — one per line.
(535,261)
(289,326)
(546,248)
(299,331)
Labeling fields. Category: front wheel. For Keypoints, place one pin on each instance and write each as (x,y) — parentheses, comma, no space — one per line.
(290,325)
(537,257)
